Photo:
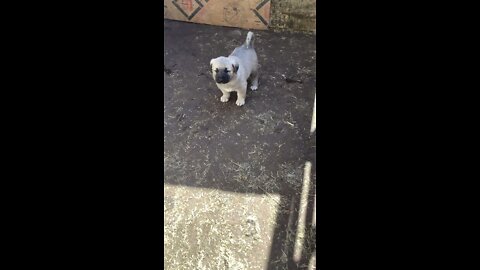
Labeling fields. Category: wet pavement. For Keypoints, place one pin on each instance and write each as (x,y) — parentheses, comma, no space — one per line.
(235,176)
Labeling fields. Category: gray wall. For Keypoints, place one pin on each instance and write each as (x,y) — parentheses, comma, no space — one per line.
(293,15)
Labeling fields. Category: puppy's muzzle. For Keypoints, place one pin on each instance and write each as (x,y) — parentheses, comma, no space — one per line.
(222,78)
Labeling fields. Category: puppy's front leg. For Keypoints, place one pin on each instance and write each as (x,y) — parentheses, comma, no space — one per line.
(241,94)
(225,97)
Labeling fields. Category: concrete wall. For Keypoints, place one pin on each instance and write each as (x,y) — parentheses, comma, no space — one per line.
(294,15)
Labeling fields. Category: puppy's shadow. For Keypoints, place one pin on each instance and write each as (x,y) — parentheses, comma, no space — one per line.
(232,99)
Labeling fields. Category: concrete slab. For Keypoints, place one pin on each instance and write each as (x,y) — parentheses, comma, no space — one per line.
(256,151)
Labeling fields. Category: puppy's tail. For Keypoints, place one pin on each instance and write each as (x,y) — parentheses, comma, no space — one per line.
(249,40)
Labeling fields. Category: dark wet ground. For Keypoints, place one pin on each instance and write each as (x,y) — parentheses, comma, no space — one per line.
(259,148)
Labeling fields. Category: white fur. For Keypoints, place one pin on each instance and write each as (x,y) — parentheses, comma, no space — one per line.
(245,58)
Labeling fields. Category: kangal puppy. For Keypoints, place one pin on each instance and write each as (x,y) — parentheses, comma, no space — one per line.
(231,73)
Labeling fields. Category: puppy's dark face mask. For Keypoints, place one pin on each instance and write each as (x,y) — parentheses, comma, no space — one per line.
(224,75)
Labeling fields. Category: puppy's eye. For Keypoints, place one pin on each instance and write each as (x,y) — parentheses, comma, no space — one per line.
(216,70)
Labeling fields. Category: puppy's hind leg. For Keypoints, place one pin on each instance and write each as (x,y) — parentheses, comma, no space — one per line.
(254,85)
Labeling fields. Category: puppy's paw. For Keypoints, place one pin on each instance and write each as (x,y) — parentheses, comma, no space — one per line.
(254,87)
(240,102)
(224,99)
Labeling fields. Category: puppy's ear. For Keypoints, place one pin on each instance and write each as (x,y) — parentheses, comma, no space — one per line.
(211,65)
(235,67)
